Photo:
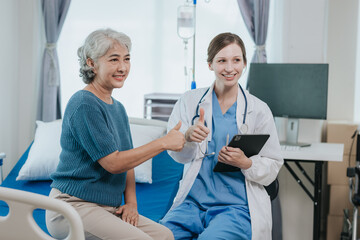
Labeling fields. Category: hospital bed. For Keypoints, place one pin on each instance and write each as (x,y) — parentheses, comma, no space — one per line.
(154,199)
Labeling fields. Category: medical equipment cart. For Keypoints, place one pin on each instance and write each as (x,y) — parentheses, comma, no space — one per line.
(159,105)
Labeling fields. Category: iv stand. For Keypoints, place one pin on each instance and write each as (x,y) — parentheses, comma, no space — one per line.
(186,30)
(183,19)
(193,83)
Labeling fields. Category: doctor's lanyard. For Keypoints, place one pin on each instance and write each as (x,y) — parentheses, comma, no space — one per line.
(243,127)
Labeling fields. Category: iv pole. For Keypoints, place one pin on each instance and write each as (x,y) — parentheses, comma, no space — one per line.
(193,83)
(186,20)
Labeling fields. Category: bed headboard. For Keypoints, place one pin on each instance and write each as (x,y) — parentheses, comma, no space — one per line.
(147,122)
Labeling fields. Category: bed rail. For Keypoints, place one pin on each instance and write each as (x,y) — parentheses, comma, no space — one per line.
(19,222)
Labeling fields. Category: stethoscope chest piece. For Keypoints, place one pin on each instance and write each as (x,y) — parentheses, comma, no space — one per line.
(244,128)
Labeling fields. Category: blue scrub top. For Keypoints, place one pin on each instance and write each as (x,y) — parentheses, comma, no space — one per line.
(213,188)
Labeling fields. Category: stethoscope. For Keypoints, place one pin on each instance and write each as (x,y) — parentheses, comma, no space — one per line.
(243,128)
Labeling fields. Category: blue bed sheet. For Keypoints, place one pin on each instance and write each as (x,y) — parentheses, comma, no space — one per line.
(154,200)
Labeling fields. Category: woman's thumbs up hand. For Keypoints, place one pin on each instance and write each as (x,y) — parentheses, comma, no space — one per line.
(198,132)
(175,140)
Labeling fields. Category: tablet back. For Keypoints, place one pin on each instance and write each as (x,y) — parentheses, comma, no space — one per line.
(250,144)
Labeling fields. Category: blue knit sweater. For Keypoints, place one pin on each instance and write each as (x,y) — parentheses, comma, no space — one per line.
(92,129)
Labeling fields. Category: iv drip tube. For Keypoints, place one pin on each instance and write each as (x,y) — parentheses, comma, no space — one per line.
(186,69)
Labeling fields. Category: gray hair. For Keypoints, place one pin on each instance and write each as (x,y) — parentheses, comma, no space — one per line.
(96,45)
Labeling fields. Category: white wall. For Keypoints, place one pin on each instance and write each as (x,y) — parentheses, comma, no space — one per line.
(19,47)
(357,77)
(341,55)
(31,43)
(9,81)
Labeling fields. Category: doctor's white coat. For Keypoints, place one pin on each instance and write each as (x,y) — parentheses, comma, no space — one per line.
(265,166)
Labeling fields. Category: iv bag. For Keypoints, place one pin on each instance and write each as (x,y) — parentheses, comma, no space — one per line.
(186,22)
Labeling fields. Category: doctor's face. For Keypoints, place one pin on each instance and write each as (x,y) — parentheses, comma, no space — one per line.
(228,65)
(113,68)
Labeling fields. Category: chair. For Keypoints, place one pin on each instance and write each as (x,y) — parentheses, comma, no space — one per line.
(273,189)
(20,224)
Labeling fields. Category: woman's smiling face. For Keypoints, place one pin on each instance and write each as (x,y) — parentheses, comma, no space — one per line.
(113,68)
(228,65)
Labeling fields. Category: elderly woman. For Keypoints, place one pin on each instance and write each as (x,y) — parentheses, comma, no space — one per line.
(97,159)
(223,205)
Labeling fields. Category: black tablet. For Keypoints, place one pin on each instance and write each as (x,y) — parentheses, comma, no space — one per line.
(250,144)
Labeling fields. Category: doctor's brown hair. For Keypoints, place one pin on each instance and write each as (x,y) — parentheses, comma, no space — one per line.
(223,40)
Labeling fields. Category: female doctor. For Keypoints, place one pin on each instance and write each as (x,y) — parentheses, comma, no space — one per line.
(223,205)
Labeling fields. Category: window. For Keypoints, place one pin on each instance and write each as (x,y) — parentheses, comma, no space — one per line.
(157,56)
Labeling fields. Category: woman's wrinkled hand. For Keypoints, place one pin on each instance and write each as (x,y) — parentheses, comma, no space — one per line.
(129,213)
(175,139)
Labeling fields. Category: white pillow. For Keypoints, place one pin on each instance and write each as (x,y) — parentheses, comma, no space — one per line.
(141,135)
(44,153)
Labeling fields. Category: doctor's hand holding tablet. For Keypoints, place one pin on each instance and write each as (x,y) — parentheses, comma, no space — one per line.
(234,157)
